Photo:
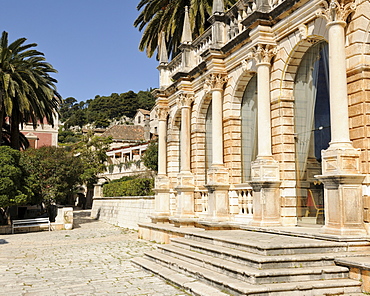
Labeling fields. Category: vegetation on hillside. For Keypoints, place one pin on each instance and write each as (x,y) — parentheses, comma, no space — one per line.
(101,110)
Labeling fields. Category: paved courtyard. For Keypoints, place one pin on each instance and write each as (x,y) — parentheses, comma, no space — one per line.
(92,259)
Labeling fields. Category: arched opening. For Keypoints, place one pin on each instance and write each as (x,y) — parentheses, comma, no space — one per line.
(208,138)
(312,130)
(249,127)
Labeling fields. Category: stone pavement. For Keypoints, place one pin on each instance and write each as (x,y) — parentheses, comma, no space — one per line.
(92,259)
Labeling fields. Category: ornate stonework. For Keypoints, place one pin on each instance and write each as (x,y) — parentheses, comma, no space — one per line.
(185,100)
(162,112)
(263,53)
(336,11)
(215,81)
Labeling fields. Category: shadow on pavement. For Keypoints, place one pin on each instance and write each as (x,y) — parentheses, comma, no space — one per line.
(82,217)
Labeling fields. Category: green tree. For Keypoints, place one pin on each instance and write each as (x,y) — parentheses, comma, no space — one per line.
(54,173)
(167,16)
(27,91)
(145,100)
(92,153)
(14,186)
(150,157)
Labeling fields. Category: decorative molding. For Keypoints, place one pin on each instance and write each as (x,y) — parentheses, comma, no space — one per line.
(215,81)
(336,10)
(185,100)
(263,53)
(162,112)
(302,31)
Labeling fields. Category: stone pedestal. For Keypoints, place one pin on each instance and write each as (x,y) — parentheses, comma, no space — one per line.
(343,204)
(266,203)
(218,194)
(342,190)
(162,200)
(266,192)
(185,196)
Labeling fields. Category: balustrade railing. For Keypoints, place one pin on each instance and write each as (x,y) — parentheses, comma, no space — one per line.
(234,27)
(201,201)
(241,202)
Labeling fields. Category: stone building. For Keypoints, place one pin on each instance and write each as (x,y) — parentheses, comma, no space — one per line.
(263,120)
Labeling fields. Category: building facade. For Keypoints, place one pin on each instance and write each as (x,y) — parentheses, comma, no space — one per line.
(263,120)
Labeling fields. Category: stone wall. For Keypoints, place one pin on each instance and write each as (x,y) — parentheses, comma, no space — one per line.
(125,211)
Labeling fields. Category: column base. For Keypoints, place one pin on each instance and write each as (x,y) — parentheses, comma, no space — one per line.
(218,194)
(266,203)
(266,194)
(343,204)
(162,199)
(185,196)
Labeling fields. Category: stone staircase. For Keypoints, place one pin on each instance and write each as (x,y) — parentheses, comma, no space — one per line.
(239,262)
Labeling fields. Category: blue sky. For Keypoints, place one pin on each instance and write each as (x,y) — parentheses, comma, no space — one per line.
(92,43)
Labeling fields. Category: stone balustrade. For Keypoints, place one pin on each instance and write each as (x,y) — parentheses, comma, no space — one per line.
(234,18)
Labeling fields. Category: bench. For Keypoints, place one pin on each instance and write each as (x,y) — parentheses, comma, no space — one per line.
(30,223)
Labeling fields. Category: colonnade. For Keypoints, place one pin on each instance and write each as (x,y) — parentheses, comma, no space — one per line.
(340,174)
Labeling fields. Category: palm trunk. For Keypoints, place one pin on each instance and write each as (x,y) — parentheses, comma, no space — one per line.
(14,134)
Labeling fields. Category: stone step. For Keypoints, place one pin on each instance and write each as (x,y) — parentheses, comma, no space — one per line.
(267,243)
(189,284)
(168,255)
(192,278)
(257,260)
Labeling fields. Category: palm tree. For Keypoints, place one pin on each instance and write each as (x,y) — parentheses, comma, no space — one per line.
(168,16)
(27,91)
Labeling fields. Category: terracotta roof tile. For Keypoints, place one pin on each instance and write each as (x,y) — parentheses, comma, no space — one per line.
(125,132)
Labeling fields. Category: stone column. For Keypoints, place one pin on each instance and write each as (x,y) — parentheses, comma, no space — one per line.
(185,188)
(265,170)
(218,176)
(162,183)
(341,161)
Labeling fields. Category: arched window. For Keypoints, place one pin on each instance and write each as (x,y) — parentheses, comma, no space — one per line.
(208,137)
(312,111)
(249,127)
(312,127)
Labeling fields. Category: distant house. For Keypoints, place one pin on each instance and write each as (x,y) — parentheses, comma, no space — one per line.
(141,117)
(124,157)
(43,135)
(125,135)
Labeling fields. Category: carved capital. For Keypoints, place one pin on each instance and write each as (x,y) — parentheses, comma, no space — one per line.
(263,53)
(215,81)
(336,10)
(184,100)
(162,112)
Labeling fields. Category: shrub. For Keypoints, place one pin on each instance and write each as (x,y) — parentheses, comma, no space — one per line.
(134,187)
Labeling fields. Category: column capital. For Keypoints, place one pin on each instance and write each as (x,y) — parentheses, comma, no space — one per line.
(184,100)
(215,81)
(162,112)
(336,11)
(263,53)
